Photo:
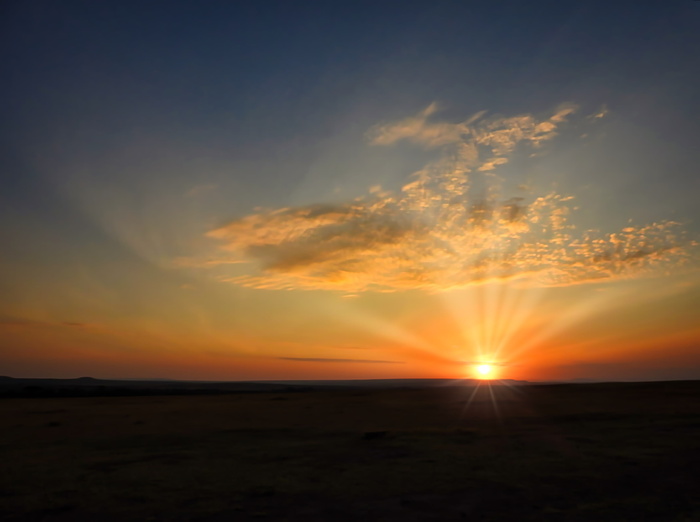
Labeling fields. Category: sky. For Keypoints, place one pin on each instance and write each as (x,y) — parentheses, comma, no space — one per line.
(350,190)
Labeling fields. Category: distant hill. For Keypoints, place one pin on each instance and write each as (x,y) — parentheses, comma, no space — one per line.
(89,386)
(396,383)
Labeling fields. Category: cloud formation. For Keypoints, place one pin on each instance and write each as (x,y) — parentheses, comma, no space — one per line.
(326,360)
(479,143)
(449,227)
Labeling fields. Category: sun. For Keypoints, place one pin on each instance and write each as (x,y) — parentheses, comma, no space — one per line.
(484,370)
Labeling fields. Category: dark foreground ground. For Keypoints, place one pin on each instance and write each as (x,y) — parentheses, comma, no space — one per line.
(556,452)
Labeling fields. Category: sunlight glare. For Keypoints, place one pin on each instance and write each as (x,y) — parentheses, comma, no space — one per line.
(484,370)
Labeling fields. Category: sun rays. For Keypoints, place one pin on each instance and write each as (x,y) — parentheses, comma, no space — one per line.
(496,262)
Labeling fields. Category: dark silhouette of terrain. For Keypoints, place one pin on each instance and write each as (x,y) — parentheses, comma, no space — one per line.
(358,450)
(90,387)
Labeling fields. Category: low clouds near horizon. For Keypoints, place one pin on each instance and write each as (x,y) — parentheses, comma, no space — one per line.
(330,360)
(448,227)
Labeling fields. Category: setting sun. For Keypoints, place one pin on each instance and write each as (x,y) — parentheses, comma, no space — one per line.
(484,370)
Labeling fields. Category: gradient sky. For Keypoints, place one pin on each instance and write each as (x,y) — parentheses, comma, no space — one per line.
(295,190)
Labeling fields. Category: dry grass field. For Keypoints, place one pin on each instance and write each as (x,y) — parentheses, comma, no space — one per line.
(547,452)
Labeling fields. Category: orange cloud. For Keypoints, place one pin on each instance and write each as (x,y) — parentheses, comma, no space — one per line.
(327,360)
(440,231)
(481,143)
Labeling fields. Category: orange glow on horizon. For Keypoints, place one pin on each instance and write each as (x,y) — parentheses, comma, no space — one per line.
(472,334)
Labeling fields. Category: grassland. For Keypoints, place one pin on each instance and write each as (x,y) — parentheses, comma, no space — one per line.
(556,452)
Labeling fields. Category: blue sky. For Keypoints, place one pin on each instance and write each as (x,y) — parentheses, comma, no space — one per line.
(244,84)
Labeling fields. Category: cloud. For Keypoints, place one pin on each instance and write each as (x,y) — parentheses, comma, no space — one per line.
(600,113)
(12,321)
(324,360)
(199,190)
(448,227)
(9,320)
(482,143)
(419,130)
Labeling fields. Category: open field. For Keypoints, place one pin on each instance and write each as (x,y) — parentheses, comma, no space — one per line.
(546,452)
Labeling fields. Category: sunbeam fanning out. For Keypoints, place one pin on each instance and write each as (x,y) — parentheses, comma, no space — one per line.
(485,245)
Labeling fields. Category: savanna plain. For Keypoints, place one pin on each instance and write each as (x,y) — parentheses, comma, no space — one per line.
(607,451)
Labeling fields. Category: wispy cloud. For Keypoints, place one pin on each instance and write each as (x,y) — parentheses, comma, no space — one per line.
(199,190)
(324,360)
(481,143)
(12,321)
(419,130)
(9,320)
(448,227)
(600,113)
